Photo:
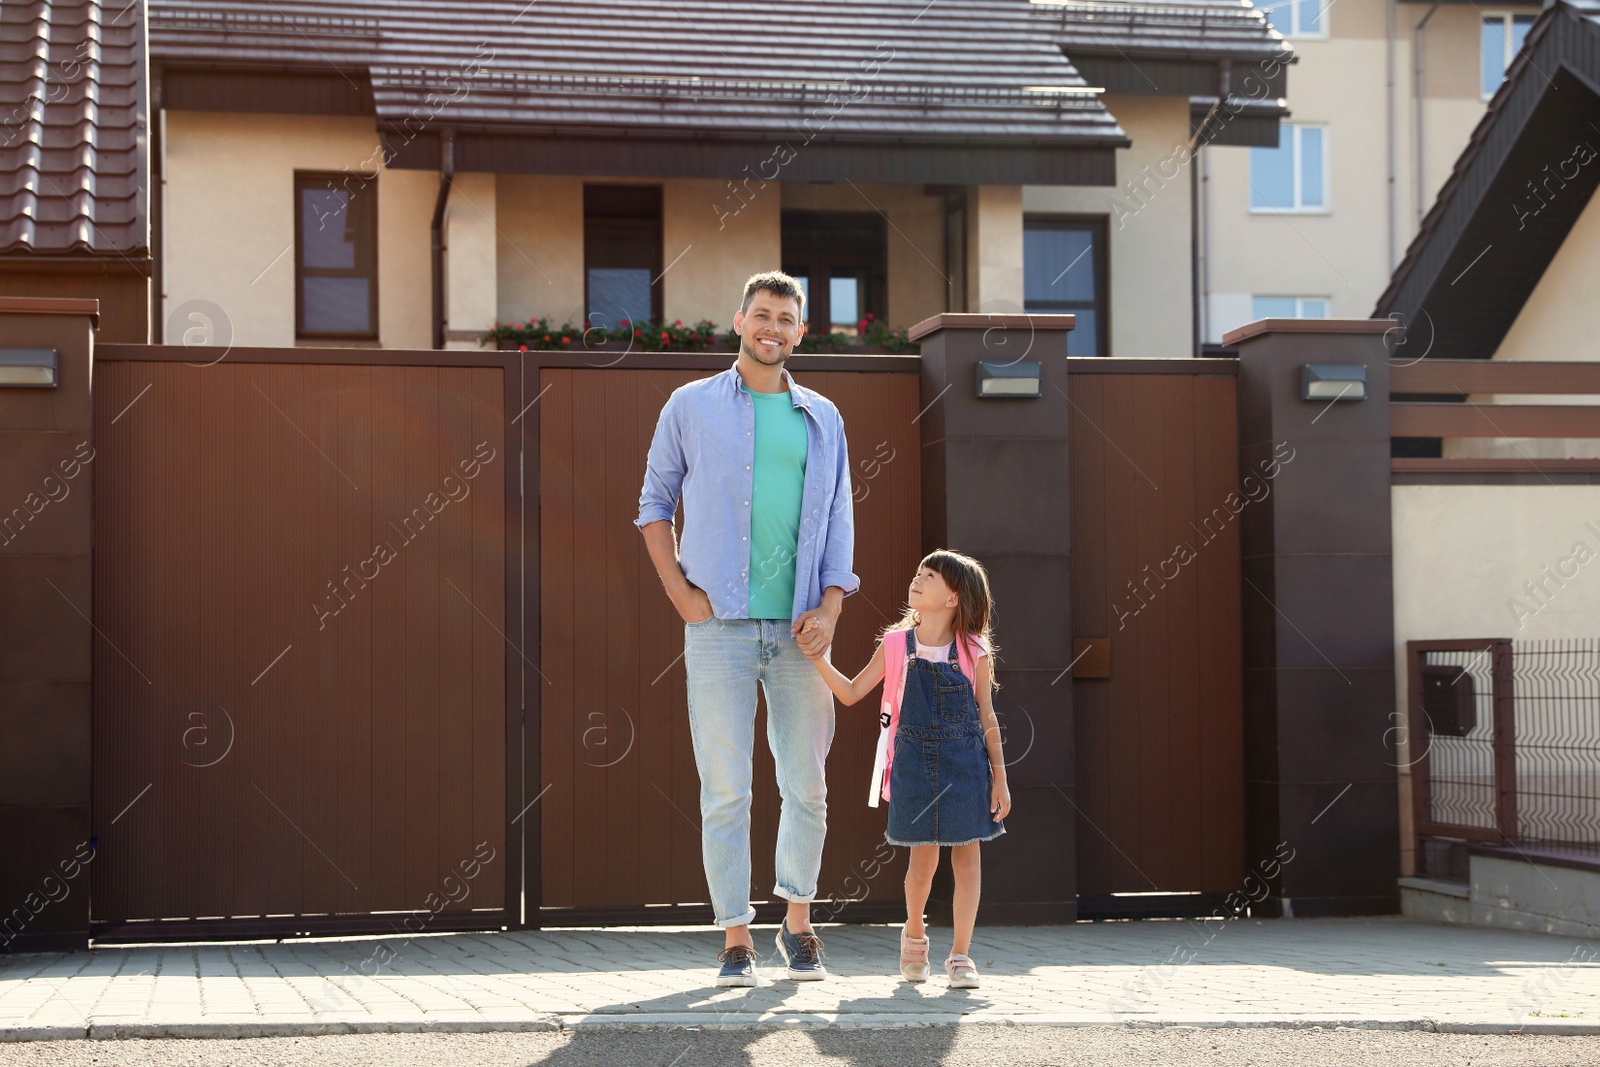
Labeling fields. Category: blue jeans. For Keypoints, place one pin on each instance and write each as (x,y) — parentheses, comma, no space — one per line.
(725,658)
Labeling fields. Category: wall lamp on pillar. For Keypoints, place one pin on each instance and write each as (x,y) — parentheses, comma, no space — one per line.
(1019,378)
(28,367)
(1333,381)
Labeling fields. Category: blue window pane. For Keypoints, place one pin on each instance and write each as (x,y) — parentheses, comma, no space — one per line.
(1057,264)
(1313,309)
(1272,307)
(326,234)
(1493,52)
(844,303)
(336,305)
(617,293)
(1278,14)
(804,282)
(1311,167)
(1272,173)
(1083,339)
(1310,16)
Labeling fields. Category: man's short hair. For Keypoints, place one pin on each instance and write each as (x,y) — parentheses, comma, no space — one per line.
(778,284)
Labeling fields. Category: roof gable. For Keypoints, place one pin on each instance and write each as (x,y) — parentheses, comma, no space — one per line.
(1525,176)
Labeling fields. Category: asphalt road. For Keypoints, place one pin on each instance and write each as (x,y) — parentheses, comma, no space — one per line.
(978,1046)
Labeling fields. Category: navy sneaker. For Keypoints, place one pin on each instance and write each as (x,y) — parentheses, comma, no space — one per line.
(738,966)
(802,953)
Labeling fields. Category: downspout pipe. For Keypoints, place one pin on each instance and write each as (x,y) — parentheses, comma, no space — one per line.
(447,173)
(1420,85)
(1392,188)
(1199,265)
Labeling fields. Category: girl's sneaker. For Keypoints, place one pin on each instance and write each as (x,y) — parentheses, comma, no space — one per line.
(963,974)
(913,957)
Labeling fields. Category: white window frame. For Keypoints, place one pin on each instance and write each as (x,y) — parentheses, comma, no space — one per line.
(1299,304)
(1292,129)
(1507,20)
(1296,33)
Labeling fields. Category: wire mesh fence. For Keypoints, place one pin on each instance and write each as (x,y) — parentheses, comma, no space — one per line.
(1505,742)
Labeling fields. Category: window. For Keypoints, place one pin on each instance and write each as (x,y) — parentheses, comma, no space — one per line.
(1294,175)
(1503,35)
(840,259)
(1297,18)
(621,254)
(1288,307)
(1064,271)
(335,257)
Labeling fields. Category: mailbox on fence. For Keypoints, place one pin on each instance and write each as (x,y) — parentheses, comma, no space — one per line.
(1449,700)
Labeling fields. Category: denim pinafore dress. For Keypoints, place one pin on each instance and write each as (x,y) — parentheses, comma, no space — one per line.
(940,781)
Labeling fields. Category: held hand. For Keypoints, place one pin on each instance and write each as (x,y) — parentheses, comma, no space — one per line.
(1000,799)
(813,630)
(697,606)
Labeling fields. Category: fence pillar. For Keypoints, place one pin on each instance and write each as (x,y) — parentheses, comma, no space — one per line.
(995,482)
(1318,618)
(46,641)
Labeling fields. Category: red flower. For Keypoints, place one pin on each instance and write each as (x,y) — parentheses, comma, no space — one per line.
(566,340)
(522,348)
(677,322)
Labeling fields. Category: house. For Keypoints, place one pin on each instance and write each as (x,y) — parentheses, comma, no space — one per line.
(374,174)
(1386,95)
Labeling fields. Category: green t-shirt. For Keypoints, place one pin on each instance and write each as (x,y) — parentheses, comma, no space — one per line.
(779,480)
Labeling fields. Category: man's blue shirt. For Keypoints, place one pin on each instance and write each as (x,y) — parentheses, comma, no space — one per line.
(704,451)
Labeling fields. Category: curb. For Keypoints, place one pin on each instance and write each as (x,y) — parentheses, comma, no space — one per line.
(121,1031)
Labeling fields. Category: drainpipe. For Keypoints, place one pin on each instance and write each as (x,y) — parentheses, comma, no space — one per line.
(447,172)
(1199,264)
(1422,184)
(1393,187)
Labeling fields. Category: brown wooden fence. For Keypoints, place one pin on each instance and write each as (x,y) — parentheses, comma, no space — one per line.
(303,566)
(1158,705)
(620,810)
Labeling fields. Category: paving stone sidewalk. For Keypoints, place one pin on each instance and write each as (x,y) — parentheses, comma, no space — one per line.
(1381,973)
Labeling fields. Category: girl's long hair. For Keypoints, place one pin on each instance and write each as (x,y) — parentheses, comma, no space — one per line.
(974,602)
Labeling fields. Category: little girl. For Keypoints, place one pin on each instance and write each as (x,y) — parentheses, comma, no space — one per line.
(939,762)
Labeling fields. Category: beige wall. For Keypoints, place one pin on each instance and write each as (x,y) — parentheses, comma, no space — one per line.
(1464,556)
(716,250)
(539,248)
(994,248)
(1148,227)
(470,256)
(916,251)
(229,221)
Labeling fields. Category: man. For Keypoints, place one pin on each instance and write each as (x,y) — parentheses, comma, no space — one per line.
(760,577)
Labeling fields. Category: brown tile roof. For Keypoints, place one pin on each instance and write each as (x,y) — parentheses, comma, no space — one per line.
(950,69)
(73,156)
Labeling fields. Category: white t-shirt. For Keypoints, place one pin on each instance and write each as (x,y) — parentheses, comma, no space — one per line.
(934,653)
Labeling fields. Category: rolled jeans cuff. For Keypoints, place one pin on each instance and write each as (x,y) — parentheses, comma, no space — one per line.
(793,897)
(741,920)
